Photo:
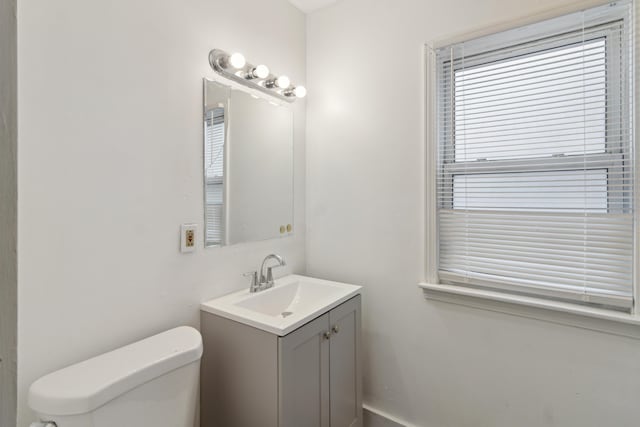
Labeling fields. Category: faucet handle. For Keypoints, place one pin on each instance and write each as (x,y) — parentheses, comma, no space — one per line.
(254,280)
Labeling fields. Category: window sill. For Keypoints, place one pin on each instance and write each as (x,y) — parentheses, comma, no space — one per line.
(601,320)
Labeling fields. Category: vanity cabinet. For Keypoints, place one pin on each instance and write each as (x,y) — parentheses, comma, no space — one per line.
(310,377)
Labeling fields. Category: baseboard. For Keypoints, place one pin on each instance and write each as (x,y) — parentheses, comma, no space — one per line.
(373,417)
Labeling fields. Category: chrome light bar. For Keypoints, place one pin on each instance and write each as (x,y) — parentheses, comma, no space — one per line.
(235,67)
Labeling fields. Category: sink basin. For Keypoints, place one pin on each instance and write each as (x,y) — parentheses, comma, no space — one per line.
(293,301)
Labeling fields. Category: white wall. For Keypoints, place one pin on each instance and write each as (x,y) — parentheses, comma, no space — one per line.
(432,364)
(8,212)
(111,164)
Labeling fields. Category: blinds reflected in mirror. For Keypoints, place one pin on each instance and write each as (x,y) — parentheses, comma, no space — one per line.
(535,159)
(214,175)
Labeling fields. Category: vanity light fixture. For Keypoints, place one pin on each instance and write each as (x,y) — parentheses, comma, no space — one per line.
(237,61)
(281,82)
(258,72)
(235,67)
(298,92)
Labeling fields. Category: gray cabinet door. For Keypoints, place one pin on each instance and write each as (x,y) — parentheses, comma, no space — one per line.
(344,361)
(304,376)
(239,375)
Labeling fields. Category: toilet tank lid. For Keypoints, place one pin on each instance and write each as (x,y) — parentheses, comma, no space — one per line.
(85,386)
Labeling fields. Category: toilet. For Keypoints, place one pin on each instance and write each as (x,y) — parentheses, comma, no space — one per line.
(150,383)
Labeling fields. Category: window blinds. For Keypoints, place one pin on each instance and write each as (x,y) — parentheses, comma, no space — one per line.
(214,175)
(535,159)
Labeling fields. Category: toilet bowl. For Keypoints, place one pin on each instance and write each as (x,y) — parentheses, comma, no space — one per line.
(153,382)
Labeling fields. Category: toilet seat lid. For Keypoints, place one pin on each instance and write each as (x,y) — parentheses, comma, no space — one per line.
(85,386)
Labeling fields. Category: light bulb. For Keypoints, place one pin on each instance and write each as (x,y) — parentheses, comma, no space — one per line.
(283,82)
(237,60)
(260,72)
(300,91)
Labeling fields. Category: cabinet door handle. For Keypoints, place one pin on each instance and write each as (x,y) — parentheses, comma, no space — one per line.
(326,335)
(335,329)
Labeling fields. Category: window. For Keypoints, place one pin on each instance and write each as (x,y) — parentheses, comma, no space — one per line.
(535,168)
(214,174)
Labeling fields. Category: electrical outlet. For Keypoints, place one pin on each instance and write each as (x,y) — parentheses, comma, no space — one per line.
(188,237)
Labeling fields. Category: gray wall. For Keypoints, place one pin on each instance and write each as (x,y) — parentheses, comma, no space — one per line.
(8,213)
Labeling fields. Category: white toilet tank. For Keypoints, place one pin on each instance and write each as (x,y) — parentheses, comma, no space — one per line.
(150,383)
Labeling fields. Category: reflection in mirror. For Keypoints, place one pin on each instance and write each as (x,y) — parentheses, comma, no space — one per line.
(214,174)
(248,167)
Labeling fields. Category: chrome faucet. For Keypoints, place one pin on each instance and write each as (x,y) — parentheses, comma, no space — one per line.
(265,281)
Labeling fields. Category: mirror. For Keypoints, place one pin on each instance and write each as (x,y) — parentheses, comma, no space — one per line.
(248,166)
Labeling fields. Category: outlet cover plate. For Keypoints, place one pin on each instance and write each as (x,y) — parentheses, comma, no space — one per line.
(188,237)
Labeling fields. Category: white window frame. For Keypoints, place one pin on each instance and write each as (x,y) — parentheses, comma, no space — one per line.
(556,311)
